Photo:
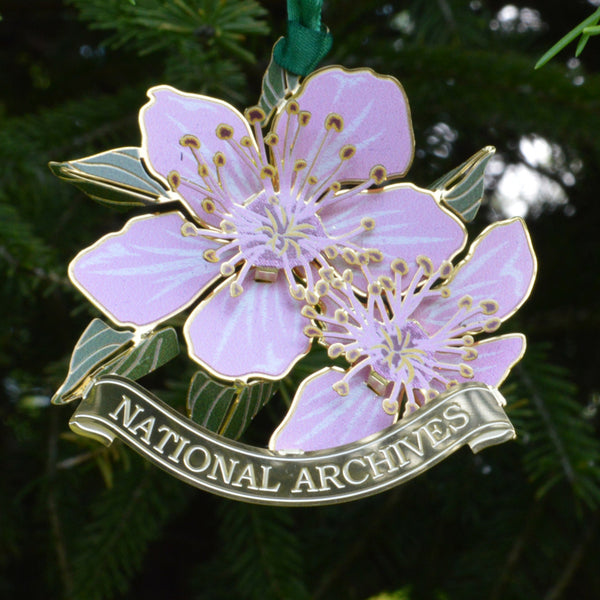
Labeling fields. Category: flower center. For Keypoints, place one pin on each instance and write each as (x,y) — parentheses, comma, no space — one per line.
(277,233)
(398,350)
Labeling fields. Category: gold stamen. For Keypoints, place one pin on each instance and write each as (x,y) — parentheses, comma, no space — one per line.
(492,325)
(300,164)
(347,152)
(470,354)
(331,252)
(350,256)
(386,282)
(235,289)
(322,288)
(219,159)
(309,312)
(341,316)
(208,205)
(227,269)
(303,118)
(368,223)
(174,179)
(378,174)
(399,266)
(190,141)
(353,355)
(292,107)
(255,114)
(227,226)
(224,132)
(268,171)
(425,263)
(312,331)
(374,288)
(335,350)
(489,307)
(466,302)
(210,256)
(272,139)
(334,121)
(375,255)
(188,230)
(341,387)
(445,270)
(311,297)
(466,371)
(297,292)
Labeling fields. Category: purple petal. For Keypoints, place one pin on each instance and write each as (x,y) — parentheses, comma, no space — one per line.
(146,272)
(495,358)
(257,334)
(376,120)
(501,266)
(320,418)
(169,116)
(408,222)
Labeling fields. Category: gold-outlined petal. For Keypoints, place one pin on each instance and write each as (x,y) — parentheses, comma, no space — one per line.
(121,233)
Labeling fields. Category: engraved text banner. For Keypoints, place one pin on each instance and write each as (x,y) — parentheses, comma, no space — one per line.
(116,407)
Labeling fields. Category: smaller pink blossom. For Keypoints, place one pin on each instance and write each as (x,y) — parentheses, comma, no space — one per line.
(412,339)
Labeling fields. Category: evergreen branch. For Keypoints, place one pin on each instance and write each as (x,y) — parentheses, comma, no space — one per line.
(152,26)
(123,521)
(21,249)
(262,552)
(553,433)
(372,527)
(560,443)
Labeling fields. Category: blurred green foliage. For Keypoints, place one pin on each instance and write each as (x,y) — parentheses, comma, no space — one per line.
(520,521)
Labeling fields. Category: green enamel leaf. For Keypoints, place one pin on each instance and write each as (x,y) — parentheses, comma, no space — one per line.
(153,351)
(102,349)
(98,343)
(226,409)
(462,188)
(277,85)
(116,177)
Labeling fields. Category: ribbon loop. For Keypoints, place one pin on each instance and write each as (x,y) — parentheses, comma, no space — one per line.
(307,41)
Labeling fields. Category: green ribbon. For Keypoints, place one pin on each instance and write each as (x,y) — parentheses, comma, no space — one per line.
(307,41)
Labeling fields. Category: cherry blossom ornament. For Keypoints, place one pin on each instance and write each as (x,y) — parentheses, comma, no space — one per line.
(264,230)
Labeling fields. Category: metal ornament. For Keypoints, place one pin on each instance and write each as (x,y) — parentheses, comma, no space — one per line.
(271,230)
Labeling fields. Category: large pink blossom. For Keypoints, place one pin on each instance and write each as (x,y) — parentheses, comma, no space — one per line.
(261,214)
(415,337)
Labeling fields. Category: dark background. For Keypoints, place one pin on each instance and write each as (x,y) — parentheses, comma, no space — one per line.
(519,521)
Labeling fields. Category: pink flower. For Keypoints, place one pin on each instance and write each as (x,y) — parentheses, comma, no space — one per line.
(262,215)
(412,339)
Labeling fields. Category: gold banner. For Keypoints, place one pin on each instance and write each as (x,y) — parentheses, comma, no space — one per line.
(116,407)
